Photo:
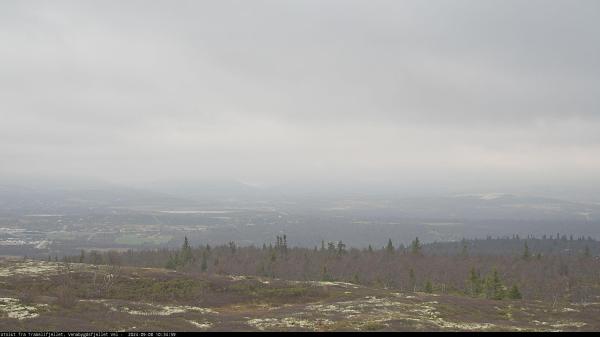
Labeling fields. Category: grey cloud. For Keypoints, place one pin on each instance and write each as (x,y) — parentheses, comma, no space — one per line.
(301,90)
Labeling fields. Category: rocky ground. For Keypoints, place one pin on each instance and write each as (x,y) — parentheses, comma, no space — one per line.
(37,295)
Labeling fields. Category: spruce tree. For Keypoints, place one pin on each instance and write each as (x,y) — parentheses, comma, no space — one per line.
(412,279)
(493,286)
(173,262)
(204,263)
(186,253)
(465,251)
(514,293)
(341,248)
(232,247)
(390,247)
(325,274)
(475,282)
(586,251)
(526,254)
(416,246)
(428,287)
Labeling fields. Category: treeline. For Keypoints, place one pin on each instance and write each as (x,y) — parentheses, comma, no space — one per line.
(544,245)
(522,272)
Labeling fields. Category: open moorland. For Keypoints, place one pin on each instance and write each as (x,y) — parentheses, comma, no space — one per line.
(41,295)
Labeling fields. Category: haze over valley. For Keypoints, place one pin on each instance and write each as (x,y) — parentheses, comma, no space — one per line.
(43,220)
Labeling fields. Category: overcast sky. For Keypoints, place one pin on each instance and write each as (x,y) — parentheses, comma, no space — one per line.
(472,93)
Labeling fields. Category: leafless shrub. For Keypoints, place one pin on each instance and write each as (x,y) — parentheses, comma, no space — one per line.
(65,297)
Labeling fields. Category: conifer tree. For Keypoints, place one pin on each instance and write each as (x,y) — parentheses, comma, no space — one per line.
(412,280)
(526,254)
(341,248)
(186,253)
(586,251)
(514,293)
(173,262)
(428,287)
(325,274)
(232,247)
(416,246)
(390,247)
(204,263)
(475,282)
(493,286)
(464,252)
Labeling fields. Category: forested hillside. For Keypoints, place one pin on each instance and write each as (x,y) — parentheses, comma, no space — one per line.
(556,269)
